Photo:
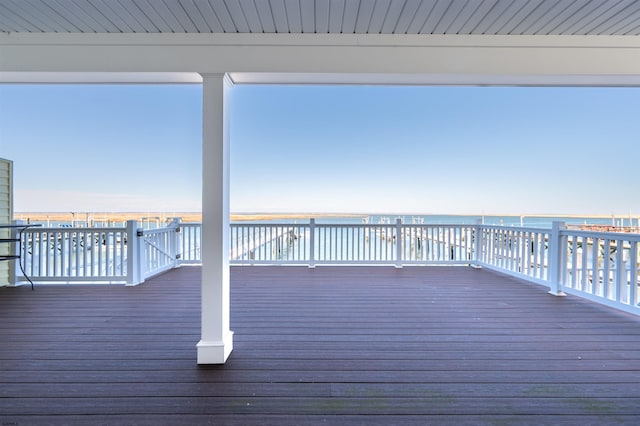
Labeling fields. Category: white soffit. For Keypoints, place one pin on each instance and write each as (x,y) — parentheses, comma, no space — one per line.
(479,17)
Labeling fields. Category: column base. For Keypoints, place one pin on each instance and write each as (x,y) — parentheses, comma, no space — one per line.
(215,352)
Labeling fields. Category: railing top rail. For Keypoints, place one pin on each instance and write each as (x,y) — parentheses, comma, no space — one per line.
(601,235)
(76,229)
(515,228)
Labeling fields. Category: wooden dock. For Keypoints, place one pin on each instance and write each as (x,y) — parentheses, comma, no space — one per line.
(330,345)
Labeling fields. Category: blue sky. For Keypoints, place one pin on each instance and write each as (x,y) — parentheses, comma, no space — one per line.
(438,150)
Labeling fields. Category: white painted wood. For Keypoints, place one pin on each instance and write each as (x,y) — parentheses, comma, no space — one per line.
(606,17)
(406,16)
(421,16)
(583,9)
(216,338)
(321,17)
(443,12)
(176,9)
(251,15)
(624,25)
(514,7)
(265,14)
(520,18)
(365,11)
(47,22)
(126,15)
(478,16)
(541,17)
(14,21)
(308,17)
(336,14)
(6,215)
(237,15)
(145,15)
(350,17)
(279,14)
(392,17)
(194,12)
(378,16)
(223,15)
(209,16)
(294,16)
(464,15)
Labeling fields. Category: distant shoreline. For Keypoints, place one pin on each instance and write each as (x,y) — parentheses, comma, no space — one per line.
(191,217)
(188,217)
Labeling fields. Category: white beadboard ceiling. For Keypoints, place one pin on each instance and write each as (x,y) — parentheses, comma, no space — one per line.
(468,17)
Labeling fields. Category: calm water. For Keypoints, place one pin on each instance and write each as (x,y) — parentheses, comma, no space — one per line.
(526,221)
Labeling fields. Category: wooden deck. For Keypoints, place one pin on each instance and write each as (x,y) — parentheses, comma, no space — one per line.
(331,345)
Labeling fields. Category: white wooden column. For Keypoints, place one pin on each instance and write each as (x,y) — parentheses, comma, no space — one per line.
(216,341)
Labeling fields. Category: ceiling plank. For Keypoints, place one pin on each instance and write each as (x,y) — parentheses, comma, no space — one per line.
(336,15)
(251,15)
(45,20)
(393,16)
(279,13)
(237,16)
(576,18)
(224,17)
(478,16)
(492,16)
(14,22)
(378,16)
(449,16)
(308,15)
(519,19)
(322,17)
(509,13)
(176,8)
(95,14)
(76,16)
(127,15)
(193,12)
(605,16)
(541,17)
(406,16)
(420,16)
(627,23)
(464,15)
(350,17)
(209,16)
(294,16)
(364,17)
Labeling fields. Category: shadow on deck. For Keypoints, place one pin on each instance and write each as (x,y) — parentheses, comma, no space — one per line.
(331,345)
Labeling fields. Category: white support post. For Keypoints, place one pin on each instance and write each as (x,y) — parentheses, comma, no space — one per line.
(216,342)
(135,253)
(555,258)
(312,243)
(399,245)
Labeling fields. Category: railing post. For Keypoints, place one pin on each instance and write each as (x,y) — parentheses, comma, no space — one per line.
(555,258)
(176,242)
(135,253)
(399,245)
(14,248)
(312,243)
(477,244)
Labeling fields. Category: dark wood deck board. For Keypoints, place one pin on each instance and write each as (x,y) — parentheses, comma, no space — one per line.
(331,345)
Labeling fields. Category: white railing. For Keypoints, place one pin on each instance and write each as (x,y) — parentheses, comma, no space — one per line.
(75,254)
(601,266)
(327,244)
(99,255)
(523,252)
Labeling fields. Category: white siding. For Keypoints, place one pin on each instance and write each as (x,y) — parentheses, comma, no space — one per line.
(6,210)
